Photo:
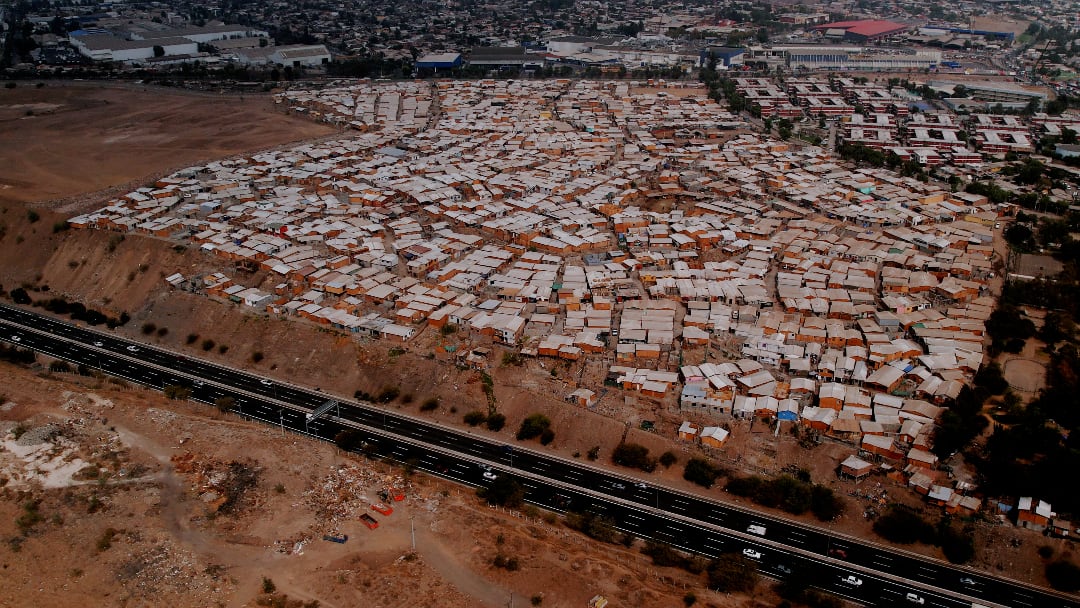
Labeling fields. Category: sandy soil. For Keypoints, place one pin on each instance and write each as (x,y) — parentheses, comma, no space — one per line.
(64,140)
(142,529)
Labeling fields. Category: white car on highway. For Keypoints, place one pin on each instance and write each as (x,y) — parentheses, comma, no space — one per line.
(852,580)
(751,553)
(915,599)
(16,339)
(490,476)
(133,348)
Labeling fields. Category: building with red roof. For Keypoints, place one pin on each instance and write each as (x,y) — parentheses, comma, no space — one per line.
(863,30)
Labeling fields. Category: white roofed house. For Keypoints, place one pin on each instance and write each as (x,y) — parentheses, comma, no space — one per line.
(714,436)
(397,333)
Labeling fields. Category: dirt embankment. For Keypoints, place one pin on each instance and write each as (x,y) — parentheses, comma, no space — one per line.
(62,141)
(119,497)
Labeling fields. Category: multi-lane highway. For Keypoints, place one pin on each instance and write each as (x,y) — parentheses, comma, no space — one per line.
(850,567)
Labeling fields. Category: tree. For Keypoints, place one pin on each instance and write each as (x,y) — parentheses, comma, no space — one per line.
(634,456)
(1063,575)
(701,471)
(958,546)
(505,491)
(533,426)
(668,458)
(496,422)
(784,127)
(824,504)
(388,394)
(903,527)
(348,440)
(474,418)
(991,378)
(547,437)
(159,51)
(19,296)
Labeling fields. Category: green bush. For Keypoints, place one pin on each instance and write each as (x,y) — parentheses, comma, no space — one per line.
(475,418)
(903,527)
(958,547)
(348,440)
(547,437)
(788,493)
(388,394)
(634,456)
(496,422)
(701,471)
(663,555)
(668,458)
(505,491)
(533,426)
(1063,575)
(594,526)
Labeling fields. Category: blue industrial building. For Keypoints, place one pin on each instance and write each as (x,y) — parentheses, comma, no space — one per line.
(725,55)
(439,61)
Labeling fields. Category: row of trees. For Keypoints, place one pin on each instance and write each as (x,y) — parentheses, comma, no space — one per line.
(791,494)
(75,310)
(902,526)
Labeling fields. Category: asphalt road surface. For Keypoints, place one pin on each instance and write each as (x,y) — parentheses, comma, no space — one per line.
(856,569)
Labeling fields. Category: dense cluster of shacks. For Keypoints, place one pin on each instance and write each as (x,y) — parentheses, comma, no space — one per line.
(609,220)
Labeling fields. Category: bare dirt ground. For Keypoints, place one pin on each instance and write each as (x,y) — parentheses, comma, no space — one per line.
(64,140)
(122,498)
